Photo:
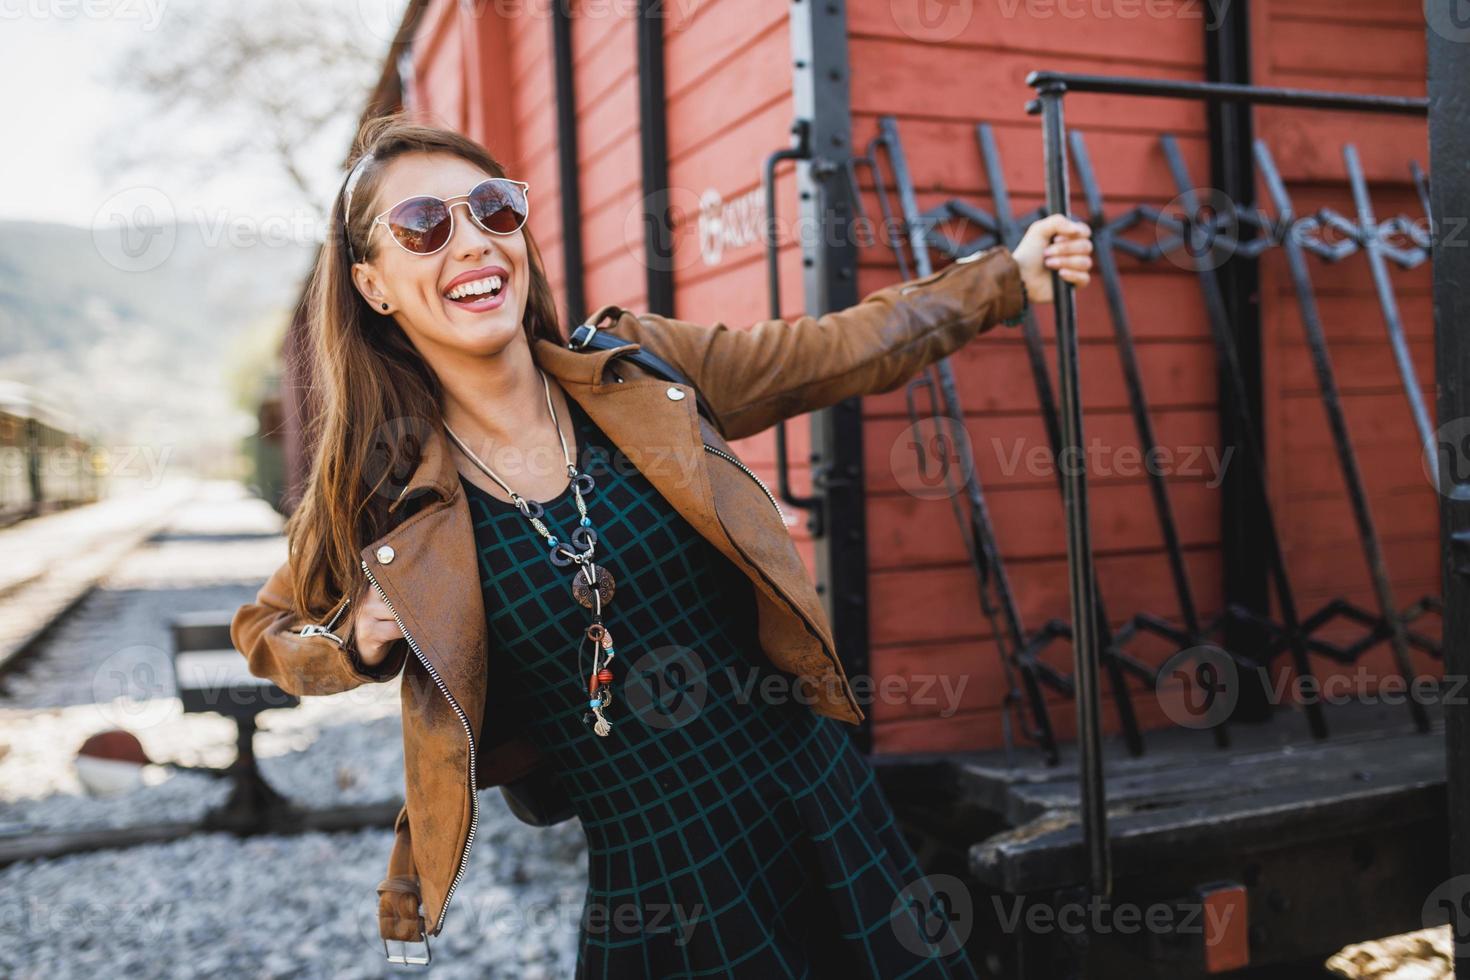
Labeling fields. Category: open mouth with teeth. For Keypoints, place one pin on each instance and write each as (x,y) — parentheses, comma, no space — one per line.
(476,291)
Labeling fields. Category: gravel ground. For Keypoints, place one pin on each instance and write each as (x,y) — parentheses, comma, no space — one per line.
(213,904)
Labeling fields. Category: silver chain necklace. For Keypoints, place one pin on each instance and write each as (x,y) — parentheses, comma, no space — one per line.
(592,585)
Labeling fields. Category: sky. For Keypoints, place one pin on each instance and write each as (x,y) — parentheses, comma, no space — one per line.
(54,59)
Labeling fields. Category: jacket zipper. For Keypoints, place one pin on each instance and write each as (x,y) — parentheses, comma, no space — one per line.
(769,496)
(469,734)
(325,629)
(936,276)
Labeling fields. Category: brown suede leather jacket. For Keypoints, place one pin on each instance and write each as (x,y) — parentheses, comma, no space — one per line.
(426,568)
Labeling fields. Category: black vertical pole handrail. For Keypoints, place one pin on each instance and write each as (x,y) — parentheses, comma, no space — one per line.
(798,150)
(1112,281)
(568,164)
(1079,536)
(1009,232)
(1449,147)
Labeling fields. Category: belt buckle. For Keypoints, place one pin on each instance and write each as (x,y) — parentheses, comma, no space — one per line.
(586,331)
(403,959)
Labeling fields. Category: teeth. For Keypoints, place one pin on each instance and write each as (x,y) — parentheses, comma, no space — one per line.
(475,288)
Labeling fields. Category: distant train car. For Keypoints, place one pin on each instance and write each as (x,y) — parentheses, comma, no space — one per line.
(43,466)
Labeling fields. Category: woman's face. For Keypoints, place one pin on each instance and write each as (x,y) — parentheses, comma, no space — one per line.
(416,287)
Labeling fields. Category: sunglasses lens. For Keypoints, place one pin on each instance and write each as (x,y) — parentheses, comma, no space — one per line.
(499,205)
(420,224)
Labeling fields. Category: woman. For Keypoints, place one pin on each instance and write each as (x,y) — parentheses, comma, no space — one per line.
(578,577)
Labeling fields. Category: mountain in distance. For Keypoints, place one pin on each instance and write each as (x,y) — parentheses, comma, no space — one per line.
(139,358)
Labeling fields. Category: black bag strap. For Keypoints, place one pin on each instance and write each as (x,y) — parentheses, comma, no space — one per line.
(591,337)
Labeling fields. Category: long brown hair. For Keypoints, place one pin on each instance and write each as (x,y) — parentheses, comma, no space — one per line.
(376,395)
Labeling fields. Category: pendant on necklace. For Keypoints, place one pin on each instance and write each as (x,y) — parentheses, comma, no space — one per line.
(599,688)
(582,592)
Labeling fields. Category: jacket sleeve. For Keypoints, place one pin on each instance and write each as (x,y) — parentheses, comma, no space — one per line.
(778,369)
(320,660)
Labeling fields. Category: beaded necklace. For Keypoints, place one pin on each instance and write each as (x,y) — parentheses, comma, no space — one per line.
(591,584)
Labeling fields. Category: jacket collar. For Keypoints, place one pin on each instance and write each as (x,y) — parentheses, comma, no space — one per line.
(580,372)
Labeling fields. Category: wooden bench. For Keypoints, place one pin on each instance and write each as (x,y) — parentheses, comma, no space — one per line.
(210,675)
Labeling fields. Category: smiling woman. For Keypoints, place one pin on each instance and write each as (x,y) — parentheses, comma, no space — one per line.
(634,627)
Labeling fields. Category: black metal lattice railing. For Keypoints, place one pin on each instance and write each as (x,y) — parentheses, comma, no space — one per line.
(1202,238)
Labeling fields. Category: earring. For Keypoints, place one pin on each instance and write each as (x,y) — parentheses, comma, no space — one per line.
(385,306)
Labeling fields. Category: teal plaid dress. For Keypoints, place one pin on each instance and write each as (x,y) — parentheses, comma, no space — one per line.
(728,833)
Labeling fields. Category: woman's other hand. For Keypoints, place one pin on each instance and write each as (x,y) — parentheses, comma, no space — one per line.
(1058,243)
(374,629)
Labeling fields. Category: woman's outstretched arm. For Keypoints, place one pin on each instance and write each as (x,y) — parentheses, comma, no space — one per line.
(268,633)
(778,369)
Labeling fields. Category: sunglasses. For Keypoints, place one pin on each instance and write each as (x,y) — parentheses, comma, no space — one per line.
(424,224)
